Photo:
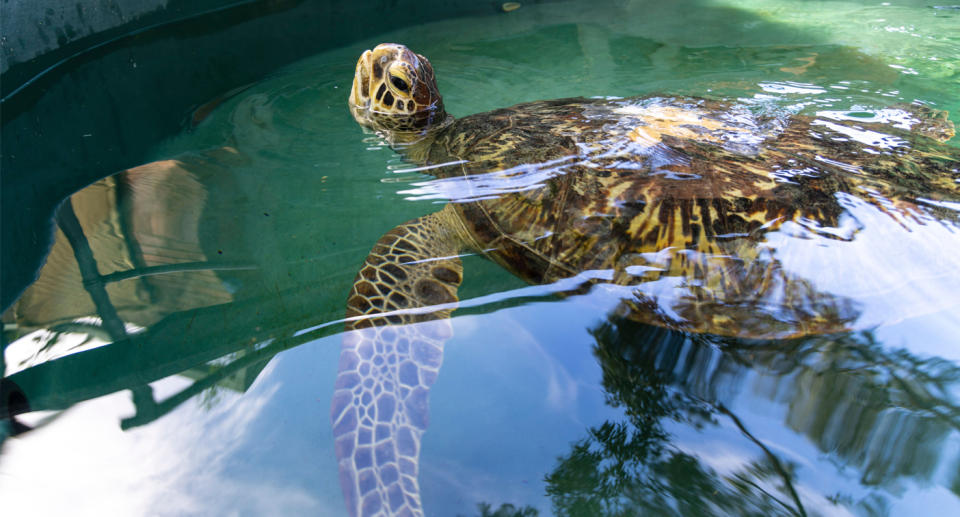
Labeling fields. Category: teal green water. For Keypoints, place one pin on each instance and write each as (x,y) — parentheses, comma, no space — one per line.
(214,397)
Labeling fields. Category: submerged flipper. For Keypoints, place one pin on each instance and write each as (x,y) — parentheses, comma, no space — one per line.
(397,315)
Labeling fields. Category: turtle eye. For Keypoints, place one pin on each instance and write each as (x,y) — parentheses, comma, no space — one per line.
(399,83)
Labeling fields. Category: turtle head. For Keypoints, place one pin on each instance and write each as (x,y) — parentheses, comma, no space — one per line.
(394,90)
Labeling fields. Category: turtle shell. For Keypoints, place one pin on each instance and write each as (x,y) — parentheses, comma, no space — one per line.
(709,217)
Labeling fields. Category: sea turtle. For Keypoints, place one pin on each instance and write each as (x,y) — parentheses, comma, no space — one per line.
(671,200)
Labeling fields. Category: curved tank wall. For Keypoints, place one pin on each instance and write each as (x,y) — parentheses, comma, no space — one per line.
(32,28)
(88,86)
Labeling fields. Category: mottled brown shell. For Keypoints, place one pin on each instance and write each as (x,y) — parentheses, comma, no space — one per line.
(685,188)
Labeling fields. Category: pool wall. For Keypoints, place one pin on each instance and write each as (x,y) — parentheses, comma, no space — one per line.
(33,28)
(96,99)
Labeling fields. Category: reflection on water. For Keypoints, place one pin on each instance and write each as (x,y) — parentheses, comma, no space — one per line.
(668,201)
(158,270)
(845,393)
(184,331)
(146,224)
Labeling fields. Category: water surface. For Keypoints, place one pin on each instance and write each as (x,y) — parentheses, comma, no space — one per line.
(207,390)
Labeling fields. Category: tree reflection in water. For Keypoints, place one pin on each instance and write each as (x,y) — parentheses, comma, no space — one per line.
(505,510)
(884,413)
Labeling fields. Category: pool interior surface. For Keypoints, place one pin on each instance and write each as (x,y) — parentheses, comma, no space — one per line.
(207,390)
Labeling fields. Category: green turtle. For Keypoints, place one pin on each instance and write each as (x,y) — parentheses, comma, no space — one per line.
(669,201)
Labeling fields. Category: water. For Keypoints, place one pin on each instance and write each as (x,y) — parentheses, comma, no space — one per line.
(542,401)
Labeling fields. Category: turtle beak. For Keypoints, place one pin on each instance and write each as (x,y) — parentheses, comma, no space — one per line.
(360,94)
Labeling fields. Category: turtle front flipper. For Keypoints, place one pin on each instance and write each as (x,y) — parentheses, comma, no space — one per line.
(398,322)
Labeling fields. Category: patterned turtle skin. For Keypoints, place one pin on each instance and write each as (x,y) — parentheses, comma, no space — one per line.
(667,199)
